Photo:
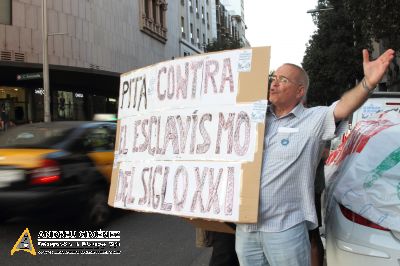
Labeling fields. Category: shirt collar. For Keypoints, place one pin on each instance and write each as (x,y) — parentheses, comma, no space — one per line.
(296,111)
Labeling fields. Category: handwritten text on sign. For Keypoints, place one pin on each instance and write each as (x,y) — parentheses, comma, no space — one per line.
(192,81)
(190,134)
(201,189)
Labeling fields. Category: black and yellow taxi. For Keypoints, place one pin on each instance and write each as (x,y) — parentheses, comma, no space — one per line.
(46,167)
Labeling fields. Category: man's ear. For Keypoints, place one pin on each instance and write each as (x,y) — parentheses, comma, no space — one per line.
(300,91)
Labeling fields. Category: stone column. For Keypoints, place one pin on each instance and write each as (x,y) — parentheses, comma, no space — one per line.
(150,14)
(157,18)
(164,14)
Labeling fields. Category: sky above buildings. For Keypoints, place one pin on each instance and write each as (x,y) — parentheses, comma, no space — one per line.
(284,25)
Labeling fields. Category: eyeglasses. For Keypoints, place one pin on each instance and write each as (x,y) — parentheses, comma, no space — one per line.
(282,79)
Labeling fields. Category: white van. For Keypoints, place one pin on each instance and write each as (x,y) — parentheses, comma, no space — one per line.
(377,103)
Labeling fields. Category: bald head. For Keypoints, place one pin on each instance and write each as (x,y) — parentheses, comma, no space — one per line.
(301,77)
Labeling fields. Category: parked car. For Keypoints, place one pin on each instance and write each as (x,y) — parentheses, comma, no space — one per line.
(46,167)
(351,237)
(354,240)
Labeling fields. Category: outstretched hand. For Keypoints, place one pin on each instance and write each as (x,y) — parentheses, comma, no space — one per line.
(373,73)
(374,70)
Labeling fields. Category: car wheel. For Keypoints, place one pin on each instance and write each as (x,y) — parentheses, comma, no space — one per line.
(98,212)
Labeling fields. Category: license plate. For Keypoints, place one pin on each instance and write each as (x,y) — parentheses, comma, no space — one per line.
(9,176)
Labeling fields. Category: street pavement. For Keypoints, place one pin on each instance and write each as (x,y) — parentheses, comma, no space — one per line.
(146,239)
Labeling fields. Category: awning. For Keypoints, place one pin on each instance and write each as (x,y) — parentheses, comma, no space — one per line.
(68,78)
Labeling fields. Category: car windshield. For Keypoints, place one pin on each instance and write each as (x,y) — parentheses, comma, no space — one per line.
(33,136)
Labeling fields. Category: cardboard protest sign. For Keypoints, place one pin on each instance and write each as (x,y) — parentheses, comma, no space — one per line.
(190,136)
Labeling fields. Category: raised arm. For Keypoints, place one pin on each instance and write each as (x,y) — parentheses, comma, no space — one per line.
(373,73)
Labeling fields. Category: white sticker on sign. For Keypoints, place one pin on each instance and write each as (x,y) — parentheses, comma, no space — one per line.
(258,111)
(244,64)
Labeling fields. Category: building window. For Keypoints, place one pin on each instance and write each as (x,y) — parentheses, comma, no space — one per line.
(191,33)
(183,27)
(5,12)
(153,18)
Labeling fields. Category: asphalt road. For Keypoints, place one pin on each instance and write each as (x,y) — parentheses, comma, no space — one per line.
(145,239)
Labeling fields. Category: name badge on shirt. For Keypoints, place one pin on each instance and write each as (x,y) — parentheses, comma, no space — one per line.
(285,131)
(288,129)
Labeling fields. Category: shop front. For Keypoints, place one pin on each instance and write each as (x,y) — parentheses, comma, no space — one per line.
(14,103)
(74,95)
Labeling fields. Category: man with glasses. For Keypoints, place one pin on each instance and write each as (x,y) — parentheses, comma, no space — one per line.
(292,149)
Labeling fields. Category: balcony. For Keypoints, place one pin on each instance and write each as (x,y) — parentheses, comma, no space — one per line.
(153,29)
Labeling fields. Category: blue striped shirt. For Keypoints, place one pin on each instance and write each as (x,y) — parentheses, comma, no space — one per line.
(293,146)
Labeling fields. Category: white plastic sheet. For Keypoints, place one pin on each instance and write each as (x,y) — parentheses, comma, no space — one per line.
(363,174)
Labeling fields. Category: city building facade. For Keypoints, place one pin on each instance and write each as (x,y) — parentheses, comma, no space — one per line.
(207,21)
(235,9)
(230,22)
(90,44)
(197,18)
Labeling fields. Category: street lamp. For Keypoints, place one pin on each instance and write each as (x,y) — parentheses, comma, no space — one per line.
(46,87)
